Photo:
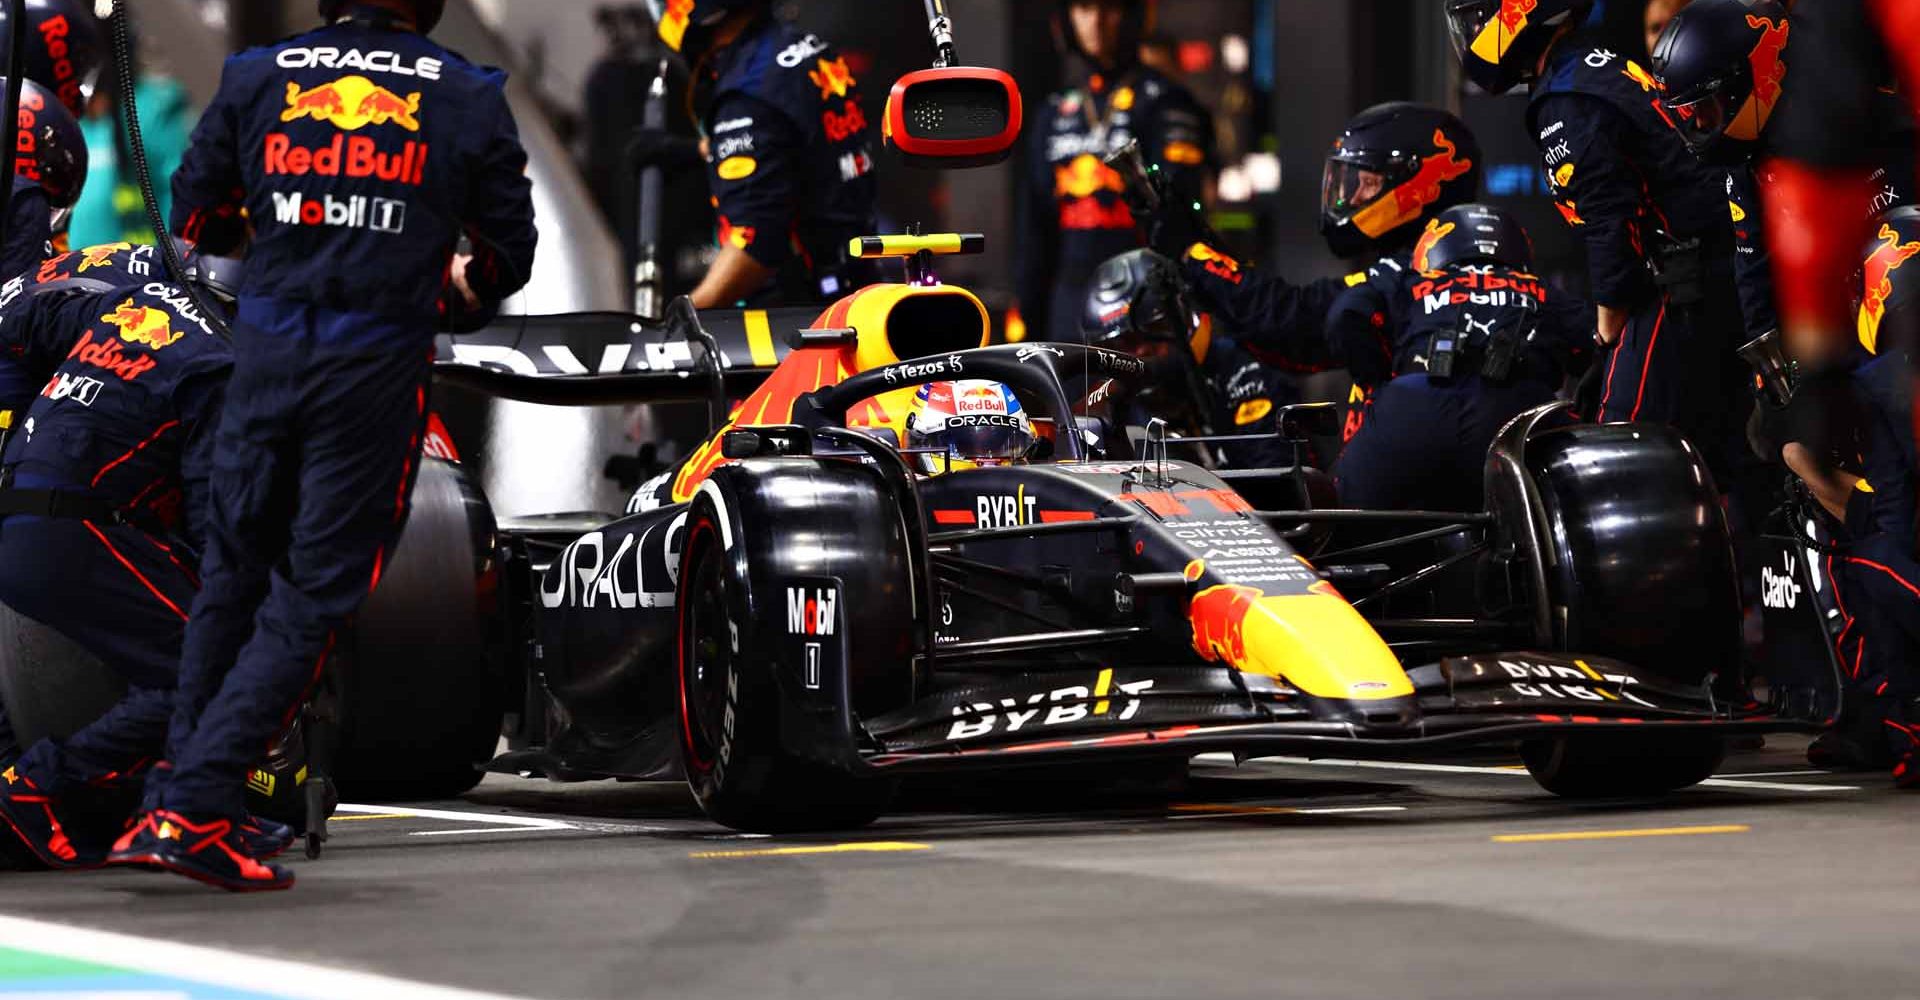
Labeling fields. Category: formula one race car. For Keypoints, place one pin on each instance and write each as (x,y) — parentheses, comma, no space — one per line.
(806,614)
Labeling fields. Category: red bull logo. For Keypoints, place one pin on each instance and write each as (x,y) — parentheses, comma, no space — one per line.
(99,256)
(1216,263)
(352,103)
(1407,202)
(1498,34)
(738,237)
(1638,74)
(1218,615)
(1436,231)
(143,325)
(674,22)
(1085,176)
(1769,72)
(833,78)
(1887,257)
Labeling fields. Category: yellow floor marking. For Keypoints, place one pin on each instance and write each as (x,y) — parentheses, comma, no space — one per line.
(360,816)
(875,846)
(1662,831)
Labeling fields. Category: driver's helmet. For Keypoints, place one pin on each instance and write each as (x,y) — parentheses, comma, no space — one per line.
(967,424)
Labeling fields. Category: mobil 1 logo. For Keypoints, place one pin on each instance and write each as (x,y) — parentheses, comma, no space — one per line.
(815,627)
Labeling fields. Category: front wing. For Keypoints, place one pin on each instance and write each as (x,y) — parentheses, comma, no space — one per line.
(1459,702)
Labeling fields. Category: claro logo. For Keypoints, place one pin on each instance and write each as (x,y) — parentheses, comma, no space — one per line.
(1780,589)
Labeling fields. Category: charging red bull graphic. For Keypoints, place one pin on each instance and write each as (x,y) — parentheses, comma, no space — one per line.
(1888,256)
(1769,77)
(1216,263)
(99,256)
(1494,39)
(352,103)
(1406,202)
(144,325)
(1077,184)
(1436,231)
(1218,615)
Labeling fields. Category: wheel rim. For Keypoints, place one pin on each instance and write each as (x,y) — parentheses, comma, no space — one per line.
(704,658)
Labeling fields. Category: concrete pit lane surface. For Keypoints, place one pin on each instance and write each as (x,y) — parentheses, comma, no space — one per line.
(1272,879)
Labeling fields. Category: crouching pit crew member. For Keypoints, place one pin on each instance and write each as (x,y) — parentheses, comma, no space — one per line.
(1465,341)
(789,155)
(359,153)
(49,173)
(103,501)
(1858,463)
(1390,171)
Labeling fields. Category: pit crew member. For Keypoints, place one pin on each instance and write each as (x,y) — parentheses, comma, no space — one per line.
(1389,172)
(103,504)
(787,150)
(1466,339)
(1865,482)
(1071,207)
(359,154)
(1725,65)
(1654,220)
(49,172)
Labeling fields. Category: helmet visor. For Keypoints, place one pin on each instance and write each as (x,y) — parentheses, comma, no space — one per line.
(1701,118)
(1347,187)
(1467,20)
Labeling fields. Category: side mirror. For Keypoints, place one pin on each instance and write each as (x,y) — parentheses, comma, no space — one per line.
(961,116)
(1303,420)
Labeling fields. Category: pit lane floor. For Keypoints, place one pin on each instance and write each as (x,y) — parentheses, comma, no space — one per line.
(1272,879)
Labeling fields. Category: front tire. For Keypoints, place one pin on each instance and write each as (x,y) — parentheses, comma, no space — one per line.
(736,765)
(1622,765)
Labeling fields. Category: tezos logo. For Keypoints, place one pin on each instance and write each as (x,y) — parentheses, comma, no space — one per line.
(1780,590)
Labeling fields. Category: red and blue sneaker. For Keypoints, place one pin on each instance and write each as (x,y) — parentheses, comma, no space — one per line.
(263,838)
(33,818)
(212,851)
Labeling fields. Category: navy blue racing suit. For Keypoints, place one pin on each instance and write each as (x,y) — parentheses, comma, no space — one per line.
(359,153)
(1893,187)
(790,161)
(1072,212)
(1282,324)
(1875,575)
(129,384)
(1658,239)
(1423,348)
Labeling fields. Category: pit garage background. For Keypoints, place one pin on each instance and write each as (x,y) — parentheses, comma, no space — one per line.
(1280,76)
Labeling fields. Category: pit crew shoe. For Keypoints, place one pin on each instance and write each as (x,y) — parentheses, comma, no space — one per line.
(1834,752)
(262,838)
(212,851)
(1906,772)
(35,822)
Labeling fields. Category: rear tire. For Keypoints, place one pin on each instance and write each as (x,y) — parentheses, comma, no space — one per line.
(420,688)
(1622,765)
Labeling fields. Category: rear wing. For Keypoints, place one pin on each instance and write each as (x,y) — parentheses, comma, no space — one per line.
(610,358)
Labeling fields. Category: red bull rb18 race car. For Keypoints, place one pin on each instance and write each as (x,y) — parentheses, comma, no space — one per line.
(800,613)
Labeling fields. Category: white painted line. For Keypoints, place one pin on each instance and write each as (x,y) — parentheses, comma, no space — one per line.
(1511,772)
(1340,810)
(1777,786)
(1775,774)
(486,819)
(472,830)
(236,971)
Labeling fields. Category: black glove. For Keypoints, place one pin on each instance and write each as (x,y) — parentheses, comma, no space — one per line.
(1593,384)
(1824,416)
(660,148)
(1767,430)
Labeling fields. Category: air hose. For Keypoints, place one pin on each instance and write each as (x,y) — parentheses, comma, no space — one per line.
(143,171)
